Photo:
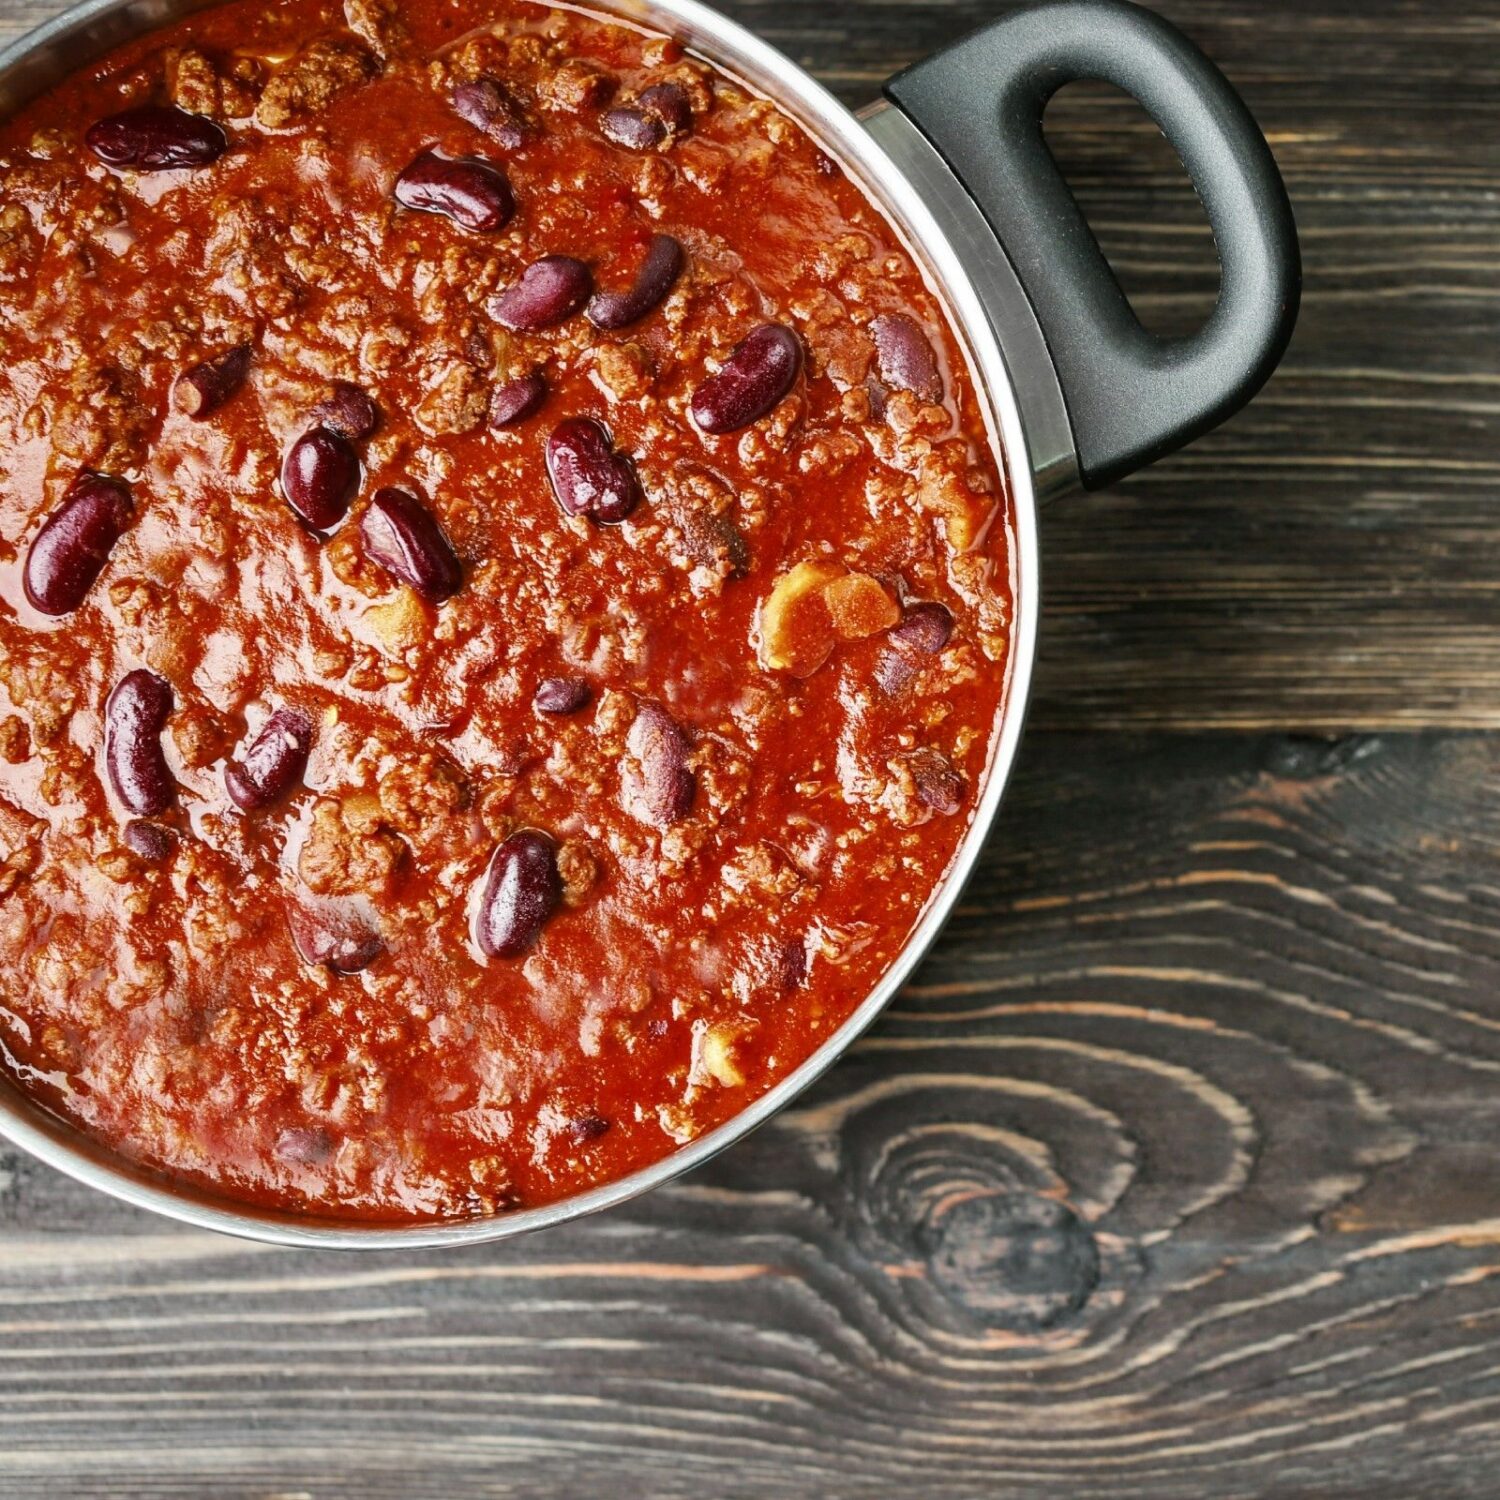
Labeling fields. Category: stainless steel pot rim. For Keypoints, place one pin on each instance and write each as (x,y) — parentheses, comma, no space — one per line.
(70,39)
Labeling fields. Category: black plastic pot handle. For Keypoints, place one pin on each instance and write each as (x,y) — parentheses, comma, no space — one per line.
(1131,396)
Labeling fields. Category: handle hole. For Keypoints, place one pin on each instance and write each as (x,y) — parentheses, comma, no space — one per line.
(1138,200)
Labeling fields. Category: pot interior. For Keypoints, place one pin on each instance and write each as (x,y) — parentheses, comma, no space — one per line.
(88,30)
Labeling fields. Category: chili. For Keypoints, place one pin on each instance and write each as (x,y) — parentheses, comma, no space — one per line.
(503,601)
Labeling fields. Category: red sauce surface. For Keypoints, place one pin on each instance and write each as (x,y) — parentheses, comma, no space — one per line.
(778,755)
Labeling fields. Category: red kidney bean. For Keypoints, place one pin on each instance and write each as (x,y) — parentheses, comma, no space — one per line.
(635,129)
(150,841)
(560,695)
(134,718)
(471,192)
(588,1128)
(521,890)
(656,277)
(274,763)
(319,477)
(74,543)
(895,671)
(335,935)
(153,137)
(348,410)
(670,104)
(715,542)
(792,964)
(924,627)
(758,373)
(656,785)
(488,106)
(516,400)
(202,390)
(549,290)
(588,476)
(404,537)
(905,356)
(938,785)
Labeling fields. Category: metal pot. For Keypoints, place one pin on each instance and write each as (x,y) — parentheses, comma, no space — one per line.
(1076,391)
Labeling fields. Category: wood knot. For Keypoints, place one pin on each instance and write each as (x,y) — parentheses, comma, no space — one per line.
(1302,757)
(972,1217)
(1013,1258)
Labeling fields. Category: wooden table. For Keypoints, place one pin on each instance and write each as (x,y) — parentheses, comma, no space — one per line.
(1176,1173)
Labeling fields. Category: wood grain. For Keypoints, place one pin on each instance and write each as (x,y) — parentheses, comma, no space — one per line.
(1174,1172)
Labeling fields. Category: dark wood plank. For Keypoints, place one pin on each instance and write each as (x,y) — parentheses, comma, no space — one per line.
(1172,1175)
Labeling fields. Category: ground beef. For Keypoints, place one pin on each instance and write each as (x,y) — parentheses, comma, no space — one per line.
(348,850)
(305,87)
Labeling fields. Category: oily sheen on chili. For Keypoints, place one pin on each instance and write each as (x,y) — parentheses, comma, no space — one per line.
(503,601)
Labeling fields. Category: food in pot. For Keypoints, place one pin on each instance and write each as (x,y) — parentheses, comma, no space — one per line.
(503,601)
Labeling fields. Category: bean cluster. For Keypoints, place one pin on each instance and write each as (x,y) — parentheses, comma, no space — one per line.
(322,473)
